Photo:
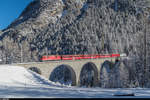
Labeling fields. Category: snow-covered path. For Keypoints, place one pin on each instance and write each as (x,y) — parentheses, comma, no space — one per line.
(17,82)
(72,92)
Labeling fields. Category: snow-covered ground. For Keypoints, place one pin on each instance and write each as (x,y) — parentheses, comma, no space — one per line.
(17,82)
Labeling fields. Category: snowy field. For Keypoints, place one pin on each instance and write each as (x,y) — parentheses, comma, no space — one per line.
(17,82)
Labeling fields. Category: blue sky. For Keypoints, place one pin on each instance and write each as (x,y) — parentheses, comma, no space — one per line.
(10,10)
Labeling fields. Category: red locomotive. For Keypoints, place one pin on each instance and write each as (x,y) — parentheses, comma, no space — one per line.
(79,57)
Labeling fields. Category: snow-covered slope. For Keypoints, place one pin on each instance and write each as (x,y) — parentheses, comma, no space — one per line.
(19,76)
(17,82)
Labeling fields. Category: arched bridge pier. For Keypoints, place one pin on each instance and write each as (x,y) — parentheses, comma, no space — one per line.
(75,68)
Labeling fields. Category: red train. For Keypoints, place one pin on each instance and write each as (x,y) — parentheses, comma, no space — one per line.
(77,57)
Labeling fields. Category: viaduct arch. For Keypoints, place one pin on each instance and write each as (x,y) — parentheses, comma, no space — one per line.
(63,70)
(75,67)
(89,74)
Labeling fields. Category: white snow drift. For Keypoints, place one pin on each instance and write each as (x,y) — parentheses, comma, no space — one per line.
(19,76)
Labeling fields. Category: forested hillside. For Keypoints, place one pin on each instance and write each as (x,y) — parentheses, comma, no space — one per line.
(59,27)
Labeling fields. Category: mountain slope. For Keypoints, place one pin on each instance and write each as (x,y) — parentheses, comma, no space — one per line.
(72,27)
(50,27)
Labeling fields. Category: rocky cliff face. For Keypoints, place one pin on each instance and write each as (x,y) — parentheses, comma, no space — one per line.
(74,27)
(50,27)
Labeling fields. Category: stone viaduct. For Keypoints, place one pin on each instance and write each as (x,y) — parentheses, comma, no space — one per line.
(75,67)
